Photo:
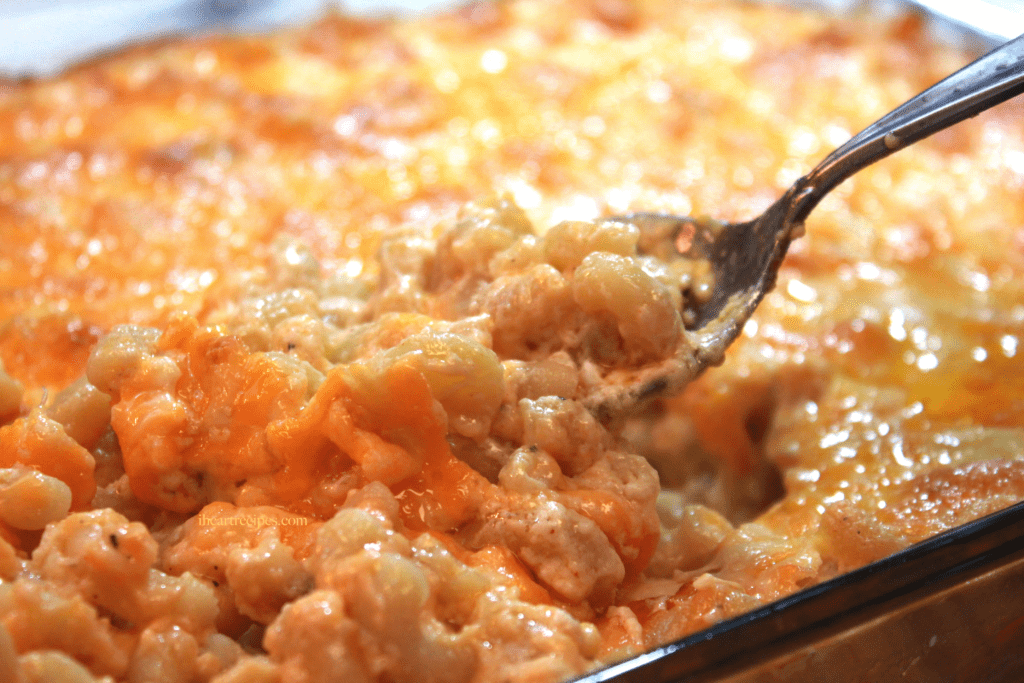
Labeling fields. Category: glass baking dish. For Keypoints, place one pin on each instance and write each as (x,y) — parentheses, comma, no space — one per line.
(77,29)
(948,608)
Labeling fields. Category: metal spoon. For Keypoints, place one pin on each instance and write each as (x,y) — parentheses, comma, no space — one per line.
(744,258)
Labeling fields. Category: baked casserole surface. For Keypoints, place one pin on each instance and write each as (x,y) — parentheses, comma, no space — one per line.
(296,328)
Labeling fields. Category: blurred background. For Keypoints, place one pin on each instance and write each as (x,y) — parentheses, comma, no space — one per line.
(40,37)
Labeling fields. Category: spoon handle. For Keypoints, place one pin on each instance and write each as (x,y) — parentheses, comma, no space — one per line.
(982,84)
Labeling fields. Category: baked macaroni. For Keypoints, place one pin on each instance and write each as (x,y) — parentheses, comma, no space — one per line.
(298,331)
